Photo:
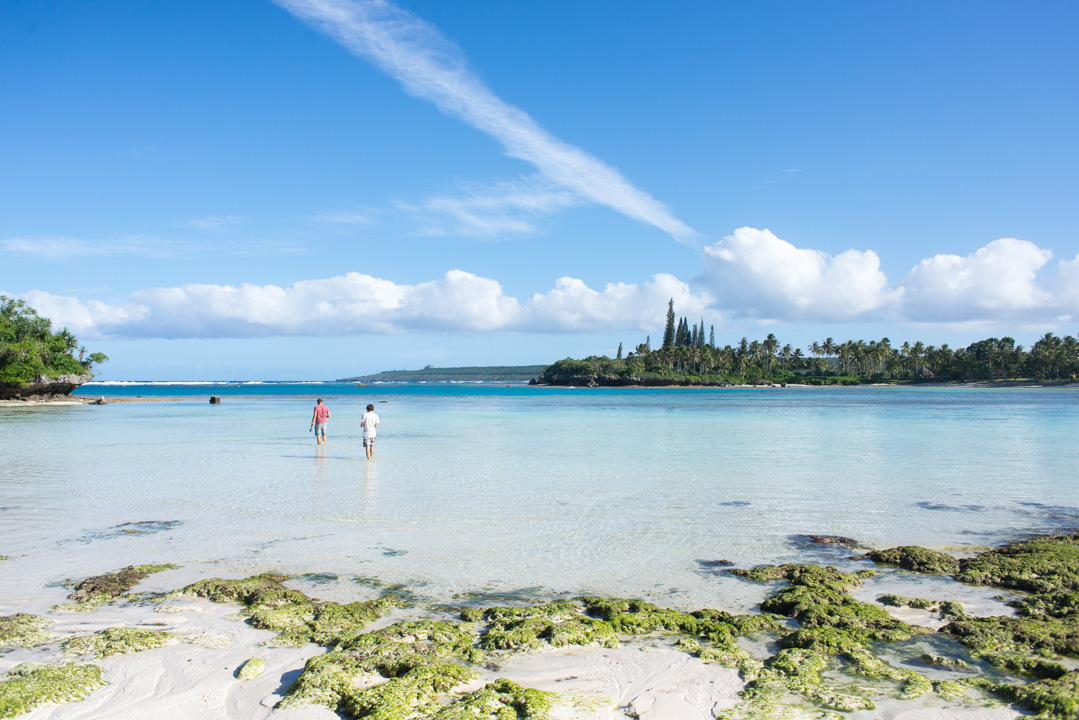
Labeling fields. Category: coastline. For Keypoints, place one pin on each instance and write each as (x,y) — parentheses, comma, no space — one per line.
(653,675)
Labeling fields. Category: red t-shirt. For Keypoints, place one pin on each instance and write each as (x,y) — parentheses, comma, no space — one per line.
(321,413)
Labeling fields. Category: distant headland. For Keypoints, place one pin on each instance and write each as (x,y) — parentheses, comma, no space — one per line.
(499,373)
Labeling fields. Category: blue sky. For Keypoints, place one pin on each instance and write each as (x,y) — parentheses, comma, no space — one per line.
(310,189)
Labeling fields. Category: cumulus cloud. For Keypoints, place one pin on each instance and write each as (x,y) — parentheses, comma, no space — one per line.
(755,274)
(998,282)
(572,305)
(431,67)
(355,304)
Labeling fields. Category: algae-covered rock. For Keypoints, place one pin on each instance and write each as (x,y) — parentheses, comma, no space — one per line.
(1045,637)
(797,672)
(23,630)
(831,620)
(31,685)
(500,700)
(1041,565)
(557,623)
(1051,699)
(251,669)
(394,673)
(298,619)
(117,641)
(901,601)
(916,559)
(102,588)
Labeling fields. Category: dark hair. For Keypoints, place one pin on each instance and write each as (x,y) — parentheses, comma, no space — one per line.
(370,408)
(320,401)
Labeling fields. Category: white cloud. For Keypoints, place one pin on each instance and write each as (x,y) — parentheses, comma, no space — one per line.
(573,306)
(429,66)
(1067,286)
(355,304)
(65,248)
(489,211)
(213,223)
(755,274)
(997,283)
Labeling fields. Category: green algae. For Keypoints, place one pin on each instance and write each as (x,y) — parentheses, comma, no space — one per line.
(297,618)
(1044,637)
(831,620)
(916,559)
(403,668)
(797,672)
(103,588)
(499,700)
(1042,565)
(943,661)
(31,685)
(117,641)
(558,623)
(1051,698)
(24,630)
(251,669)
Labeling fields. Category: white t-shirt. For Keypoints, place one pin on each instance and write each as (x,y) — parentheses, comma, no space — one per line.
(369,421)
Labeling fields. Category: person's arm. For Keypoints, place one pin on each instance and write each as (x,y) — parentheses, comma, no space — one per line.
(314,414)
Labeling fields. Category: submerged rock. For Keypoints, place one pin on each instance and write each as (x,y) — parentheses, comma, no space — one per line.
(31,685)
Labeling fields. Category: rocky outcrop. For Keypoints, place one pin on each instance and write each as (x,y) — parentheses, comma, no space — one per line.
(44,385)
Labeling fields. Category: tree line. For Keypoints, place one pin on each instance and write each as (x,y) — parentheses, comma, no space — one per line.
(30,349)
(688,353)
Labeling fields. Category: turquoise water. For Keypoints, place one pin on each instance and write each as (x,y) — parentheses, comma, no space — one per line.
(529,490)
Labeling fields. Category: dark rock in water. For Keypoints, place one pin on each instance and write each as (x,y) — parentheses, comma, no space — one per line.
(215,400)
(104,587)
(708,564)
(100,401)
(837,540)
(44,385)
(145,527)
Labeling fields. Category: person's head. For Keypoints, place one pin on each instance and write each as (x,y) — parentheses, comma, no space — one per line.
(370,408)
(319,401)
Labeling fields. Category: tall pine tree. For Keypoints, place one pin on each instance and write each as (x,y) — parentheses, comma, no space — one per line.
(668,331)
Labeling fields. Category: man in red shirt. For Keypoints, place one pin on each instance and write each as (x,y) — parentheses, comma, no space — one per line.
(318,421)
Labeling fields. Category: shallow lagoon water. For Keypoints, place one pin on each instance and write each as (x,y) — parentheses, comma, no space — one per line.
(480,489)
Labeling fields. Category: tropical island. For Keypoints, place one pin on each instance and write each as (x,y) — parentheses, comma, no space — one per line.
(34,360)
(689,356)
(494,373)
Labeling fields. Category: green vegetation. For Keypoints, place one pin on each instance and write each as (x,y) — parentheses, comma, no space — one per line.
(502,373)
(117,641)
(251,669)
(916,559)
(29,349)
(297,618)
(103,588)
(23,630)
(31,685)
(690,356)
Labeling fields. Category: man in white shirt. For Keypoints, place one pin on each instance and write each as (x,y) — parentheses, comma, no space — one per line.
(370,429)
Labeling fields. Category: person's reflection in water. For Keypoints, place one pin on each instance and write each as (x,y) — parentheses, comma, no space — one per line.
(370,488)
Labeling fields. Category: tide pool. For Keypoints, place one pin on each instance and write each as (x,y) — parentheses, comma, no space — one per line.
(523,490)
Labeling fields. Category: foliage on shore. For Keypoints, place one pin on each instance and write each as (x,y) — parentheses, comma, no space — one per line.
(29,349)
(691,356)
